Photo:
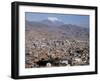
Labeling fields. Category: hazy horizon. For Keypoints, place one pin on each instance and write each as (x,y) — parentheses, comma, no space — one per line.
(80,20)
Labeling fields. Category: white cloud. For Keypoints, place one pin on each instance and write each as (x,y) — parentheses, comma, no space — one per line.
(53,19)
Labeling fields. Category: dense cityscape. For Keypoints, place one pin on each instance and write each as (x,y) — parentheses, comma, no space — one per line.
(52,43)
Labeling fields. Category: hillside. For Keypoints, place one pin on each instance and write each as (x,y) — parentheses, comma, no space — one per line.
(58,45)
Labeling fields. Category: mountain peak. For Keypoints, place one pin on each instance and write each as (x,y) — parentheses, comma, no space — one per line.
(53,21)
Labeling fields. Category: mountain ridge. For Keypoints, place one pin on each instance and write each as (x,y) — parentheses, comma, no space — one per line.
(67,30)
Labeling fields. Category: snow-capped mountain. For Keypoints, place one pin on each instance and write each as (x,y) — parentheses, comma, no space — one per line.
(52,21)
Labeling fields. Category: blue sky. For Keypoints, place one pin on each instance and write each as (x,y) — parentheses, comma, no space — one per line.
(80,20)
